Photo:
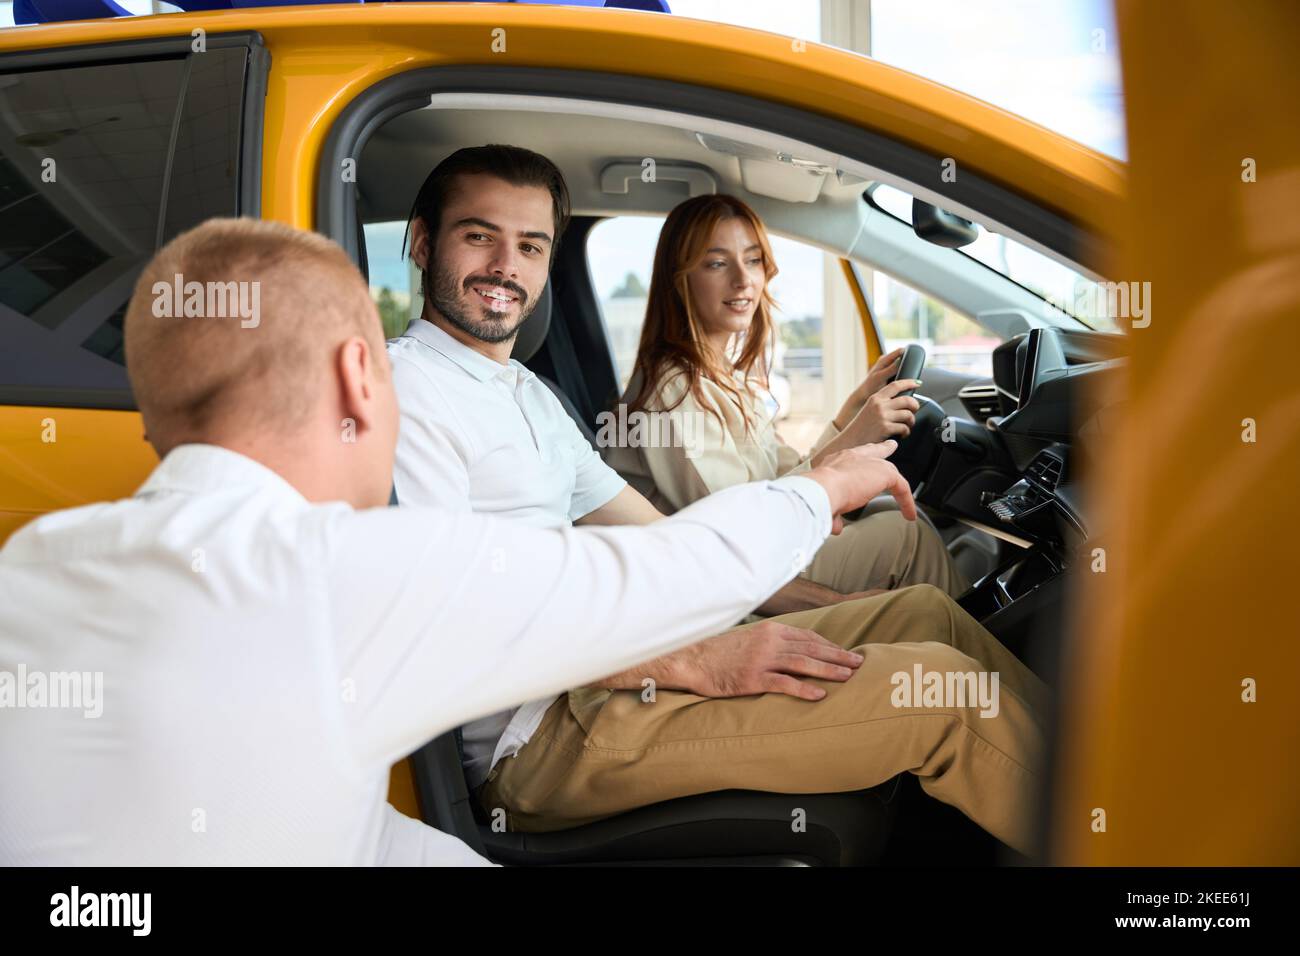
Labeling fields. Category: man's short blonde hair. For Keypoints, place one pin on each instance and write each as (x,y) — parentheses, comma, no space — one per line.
(233,326)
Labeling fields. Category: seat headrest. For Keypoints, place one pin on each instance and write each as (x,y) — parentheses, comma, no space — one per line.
(532,333)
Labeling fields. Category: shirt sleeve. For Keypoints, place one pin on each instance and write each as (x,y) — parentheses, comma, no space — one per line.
(432,464)
(700,456)
(595,483)
(440,618)
(787,459)
(792,464)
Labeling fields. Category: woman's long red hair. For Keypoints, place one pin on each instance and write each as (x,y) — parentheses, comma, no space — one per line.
(672,335)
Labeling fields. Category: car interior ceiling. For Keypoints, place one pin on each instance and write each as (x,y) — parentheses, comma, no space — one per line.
(799,191)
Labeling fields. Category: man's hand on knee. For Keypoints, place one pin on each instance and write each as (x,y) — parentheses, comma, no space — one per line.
(765,658)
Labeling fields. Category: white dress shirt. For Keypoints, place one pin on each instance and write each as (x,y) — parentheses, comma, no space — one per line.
(265,660)
(490,438)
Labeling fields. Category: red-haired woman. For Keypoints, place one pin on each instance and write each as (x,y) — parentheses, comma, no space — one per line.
(701,365)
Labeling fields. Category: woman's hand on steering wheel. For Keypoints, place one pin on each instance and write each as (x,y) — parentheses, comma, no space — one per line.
(884,369)
(886,414)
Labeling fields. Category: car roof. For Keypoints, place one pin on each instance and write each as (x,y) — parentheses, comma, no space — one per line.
(324,45)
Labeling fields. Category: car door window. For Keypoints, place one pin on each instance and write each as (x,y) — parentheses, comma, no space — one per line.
(951,339)
(100,164)
(394,282)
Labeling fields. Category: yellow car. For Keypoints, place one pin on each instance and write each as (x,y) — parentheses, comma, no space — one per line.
(1126,530)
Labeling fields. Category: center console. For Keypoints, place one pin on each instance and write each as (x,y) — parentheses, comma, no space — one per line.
(1024,594)
(1011,472)
(1015,579)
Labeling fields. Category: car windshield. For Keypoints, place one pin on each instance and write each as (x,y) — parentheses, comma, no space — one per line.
(1068,290)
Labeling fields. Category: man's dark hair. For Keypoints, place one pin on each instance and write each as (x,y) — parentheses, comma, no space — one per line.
(514,164)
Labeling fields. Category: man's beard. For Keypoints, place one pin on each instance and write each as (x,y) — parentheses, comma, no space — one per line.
(445,296)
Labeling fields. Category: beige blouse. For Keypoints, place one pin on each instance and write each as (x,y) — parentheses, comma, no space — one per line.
(679,456)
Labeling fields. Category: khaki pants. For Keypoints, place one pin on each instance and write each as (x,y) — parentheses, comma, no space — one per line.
(599,753)
(883,549)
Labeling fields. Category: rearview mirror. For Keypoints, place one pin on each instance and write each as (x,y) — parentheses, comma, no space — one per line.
(942,227)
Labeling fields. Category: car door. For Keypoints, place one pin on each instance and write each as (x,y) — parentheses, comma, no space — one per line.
(106,152)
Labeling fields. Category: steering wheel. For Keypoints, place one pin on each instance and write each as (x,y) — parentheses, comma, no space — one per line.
(916,453)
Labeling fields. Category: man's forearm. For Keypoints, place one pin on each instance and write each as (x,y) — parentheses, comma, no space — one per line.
(799,595)
(669,672)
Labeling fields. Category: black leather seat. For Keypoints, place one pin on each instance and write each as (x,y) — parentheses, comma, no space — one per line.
(731,827)
(532,336)
(728,827)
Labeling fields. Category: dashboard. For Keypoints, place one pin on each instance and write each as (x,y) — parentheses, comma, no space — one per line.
(1047,410)
(1013,470)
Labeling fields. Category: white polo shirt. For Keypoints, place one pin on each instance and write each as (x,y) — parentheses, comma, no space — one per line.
(249,665)
(480,436)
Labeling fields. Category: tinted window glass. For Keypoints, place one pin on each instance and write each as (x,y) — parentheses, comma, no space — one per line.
(90,185)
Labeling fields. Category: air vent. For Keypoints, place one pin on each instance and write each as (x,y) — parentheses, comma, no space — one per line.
(1046,470)
(981,400)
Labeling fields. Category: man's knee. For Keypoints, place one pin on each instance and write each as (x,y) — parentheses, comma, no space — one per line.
(915,538)
(928,608)
(926,598)
(893,524)
(928,538)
